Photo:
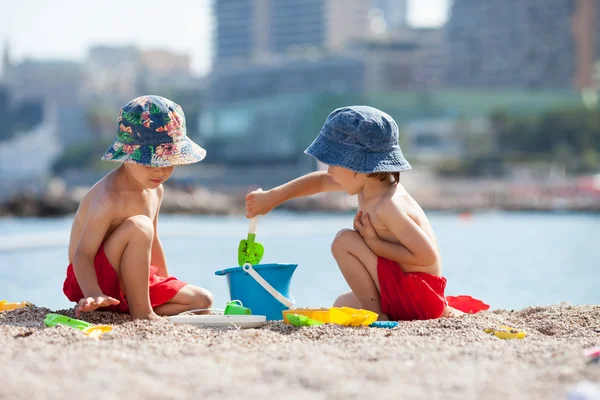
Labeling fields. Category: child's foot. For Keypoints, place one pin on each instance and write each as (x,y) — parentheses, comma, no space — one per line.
(450,312)
(152,317)
(383,317)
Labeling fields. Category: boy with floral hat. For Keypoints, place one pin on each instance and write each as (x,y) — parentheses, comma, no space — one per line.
(117,262)
(391,260)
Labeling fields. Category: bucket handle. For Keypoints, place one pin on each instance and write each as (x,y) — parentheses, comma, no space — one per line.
(267,286)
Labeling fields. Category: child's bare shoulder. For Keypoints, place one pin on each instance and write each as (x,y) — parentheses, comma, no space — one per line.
(101,199)
(400,204)
(397,202)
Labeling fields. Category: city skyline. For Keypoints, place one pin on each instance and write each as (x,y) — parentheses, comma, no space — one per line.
(115,23)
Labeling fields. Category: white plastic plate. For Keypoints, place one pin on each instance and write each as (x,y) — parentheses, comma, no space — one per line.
(242,321)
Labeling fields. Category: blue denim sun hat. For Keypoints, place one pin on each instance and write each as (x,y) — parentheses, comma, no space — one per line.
(360,138)
(151,131)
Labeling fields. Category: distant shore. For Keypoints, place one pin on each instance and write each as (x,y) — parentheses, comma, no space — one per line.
(202,201)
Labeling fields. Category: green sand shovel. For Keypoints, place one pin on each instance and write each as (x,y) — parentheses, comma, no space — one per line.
(88,329)
(249,250)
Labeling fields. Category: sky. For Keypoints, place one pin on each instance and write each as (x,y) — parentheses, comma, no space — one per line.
(67,28)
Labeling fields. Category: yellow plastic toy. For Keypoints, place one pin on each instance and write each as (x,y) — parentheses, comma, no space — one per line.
(506,332)
(318,314)
(96,331)
(344,316)
(6,306)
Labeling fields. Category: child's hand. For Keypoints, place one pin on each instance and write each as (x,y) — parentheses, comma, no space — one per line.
(92,303)
(259,203)
(362,224)
(356,222)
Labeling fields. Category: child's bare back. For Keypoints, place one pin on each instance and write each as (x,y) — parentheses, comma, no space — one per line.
(116,259)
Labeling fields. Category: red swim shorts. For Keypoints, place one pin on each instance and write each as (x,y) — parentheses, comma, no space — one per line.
(161,289)
(407,296)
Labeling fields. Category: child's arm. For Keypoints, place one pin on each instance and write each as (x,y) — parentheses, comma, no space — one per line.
(259,202)
(416,248)
(94,229)
(157,256)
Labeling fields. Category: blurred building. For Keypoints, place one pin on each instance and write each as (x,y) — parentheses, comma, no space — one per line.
(395,13)
(324,74)
(269,48)
(523,43)
(432,140)
(258,30)
(43,90)
(26,159)
(275,60)
(5,114)
(116,74)
(6,62)
(28,139)
(257,112)
(60,81)
(407,58)
(165,62)
(111,72)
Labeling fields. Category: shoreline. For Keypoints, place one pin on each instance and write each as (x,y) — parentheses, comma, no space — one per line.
(443,358)
(202,201)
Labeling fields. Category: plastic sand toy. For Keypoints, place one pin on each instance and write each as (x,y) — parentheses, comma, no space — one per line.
(467,304)
(506,332)
(236,307)
(384,324)
(249,250)
(301,320)
(6,306)
(344,316)
(234,315)
(317,314)
(86,328)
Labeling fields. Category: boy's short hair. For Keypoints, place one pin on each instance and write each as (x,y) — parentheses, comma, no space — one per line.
(382,176)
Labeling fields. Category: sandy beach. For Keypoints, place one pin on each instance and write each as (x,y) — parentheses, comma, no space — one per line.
(437,359)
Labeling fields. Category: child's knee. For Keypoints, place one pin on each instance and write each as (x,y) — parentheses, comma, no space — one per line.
(140,227)
(201,298)
(344,240)
(347,299)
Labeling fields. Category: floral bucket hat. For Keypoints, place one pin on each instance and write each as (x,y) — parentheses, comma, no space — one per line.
(151,131)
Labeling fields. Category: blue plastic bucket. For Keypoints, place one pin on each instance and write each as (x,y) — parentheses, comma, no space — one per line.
(243,287)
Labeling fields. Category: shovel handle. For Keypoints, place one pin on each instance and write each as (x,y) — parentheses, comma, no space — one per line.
(253,225)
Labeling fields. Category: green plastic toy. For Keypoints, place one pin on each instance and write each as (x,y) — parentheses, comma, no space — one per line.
(302,320)
(236,307)
(85,327)
(249,250)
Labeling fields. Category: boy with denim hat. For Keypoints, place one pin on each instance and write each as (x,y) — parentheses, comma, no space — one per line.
(117,261)
(391,260)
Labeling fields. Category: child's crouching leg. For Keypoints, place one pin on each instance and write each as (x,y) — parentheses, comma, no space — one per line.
(128,249)
(359,267)
(189,298)
(347,299)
